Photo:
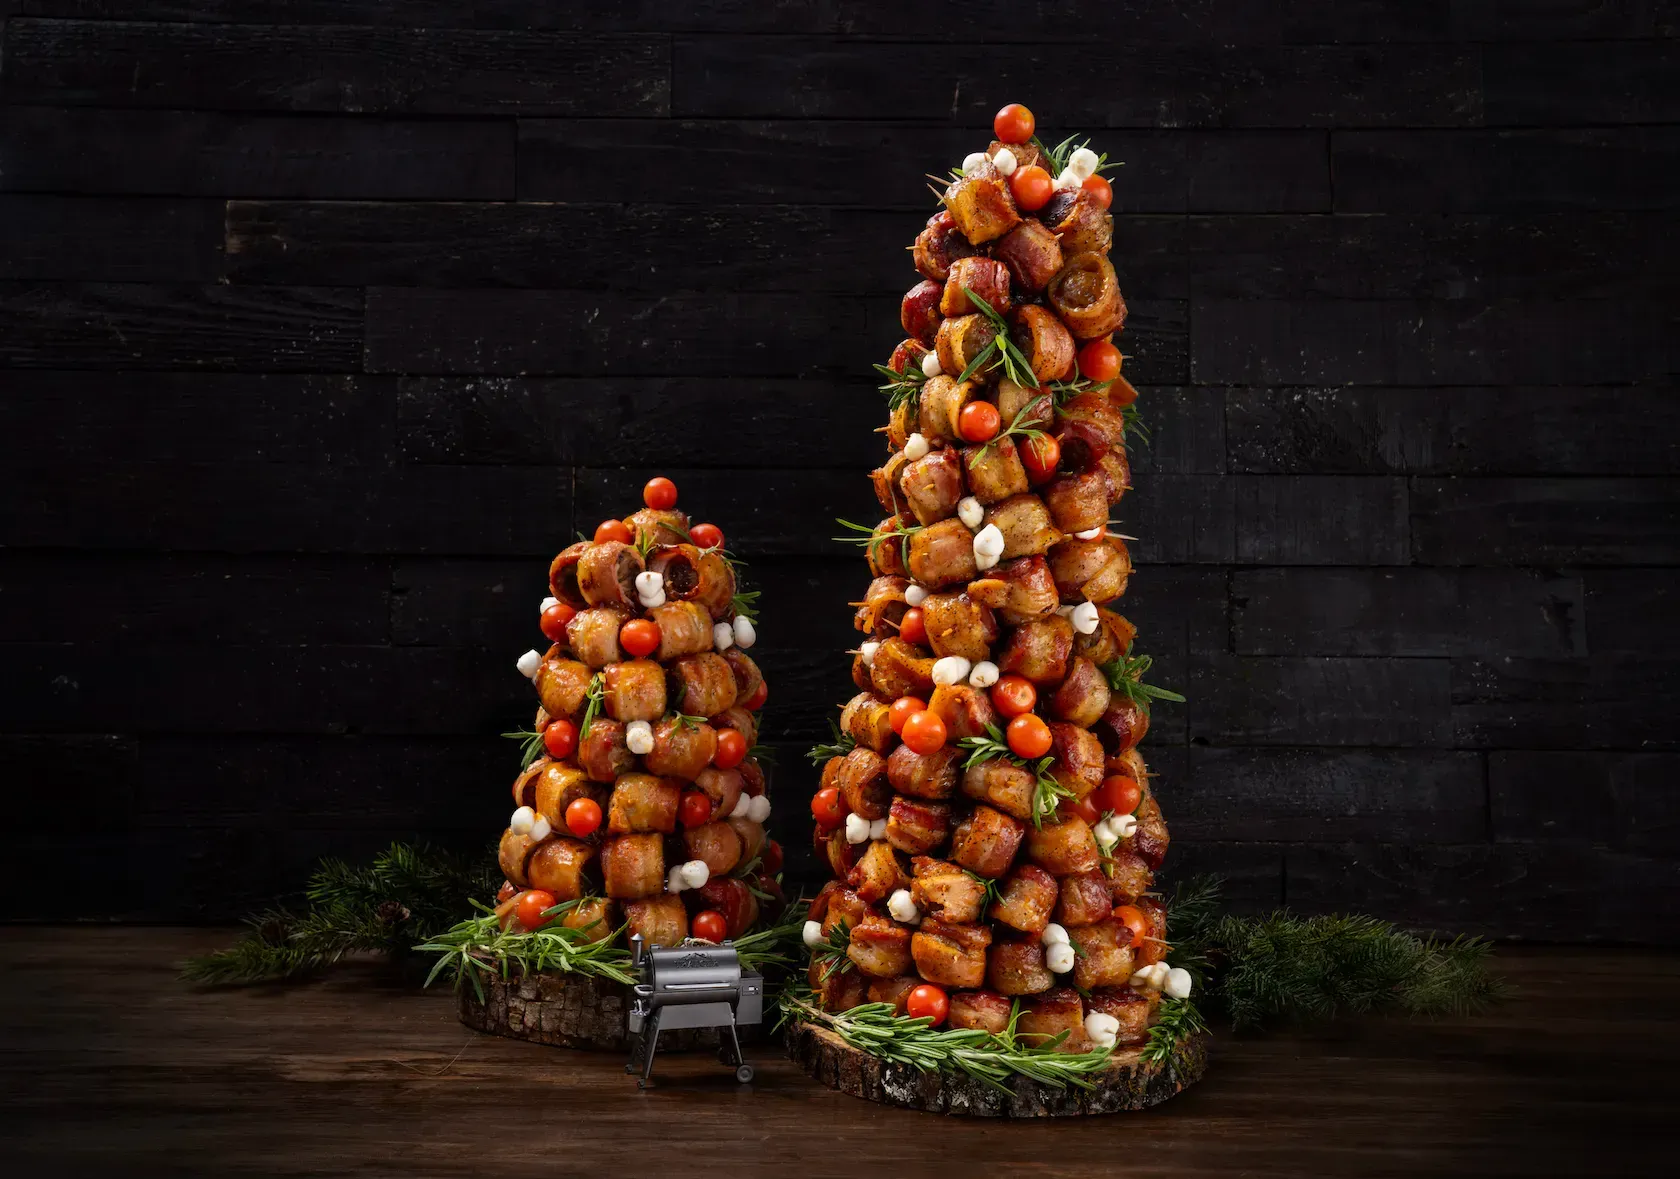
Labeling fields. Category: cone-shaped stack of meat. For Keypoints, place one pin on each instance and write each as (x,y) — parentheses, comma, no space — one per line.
(987,818)
(647,806)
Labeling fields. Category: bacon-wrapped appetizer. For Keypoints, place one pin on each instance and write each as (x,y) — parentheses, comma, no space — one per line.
(1079,758)
(642,802)
(1038,649)
(723,787)
(1129,876)
(753,837)
(958,625)
(901,669)
(634,866)
(982,206)
(1110,641)
(734,899)
(1154,946)
(938,246)
(918,311)
(748,678)
(886,548)
(1063,846)
(924,775)
(933,484)
(940,404)
(557,787)
(839,906)
(915,826)
(606,573)
(685,628)
(1132,1006)
(945,892)
(1117,474)
(513,854)
(1090,426)
(561,684)
(1046,1016)
(901,423)
(1086,294)
(986,842)
(661,920)
(1084,899)
(1083,696)
(593,635)
(1079,222)
(716,844)
(635,690)
(525,782)
(1002,784)
(960,342)
(985,279)
(1016,967)
(836,990)
(1103,956)
(1090,570)
(985,1011)
(1019,590)
(593,917)
(1121,725)
(563,576)
(994,470)
(1045,342)
(886,480)
(1150,839)
(1025,405)
(1032,253)
(603,751)
(1025,524)
(701,576)
(862,780)
(965,711)
(701,685)
(950,955)
(895,991)
(942,554)
(1027,899)
(739,719)
(879,948)
(882,608)
(558,867)
(1078,502)
(878,874)
(866,720)
(681,749)
(657,526)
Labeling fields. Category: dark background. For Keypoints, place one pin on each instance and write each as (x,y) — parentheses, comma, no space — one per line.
(324,325)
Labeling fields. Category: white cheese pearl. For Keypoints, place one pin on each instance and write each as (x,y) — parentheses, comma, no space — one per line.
(877,829)
(915,447)
(973,162)
(1083,162)
(902,907)
(812,933)
(650,601)
(989,540)
(1105,836)
(1178,983)
(648,581)
(857,828)
(528,664)
(546,603)
(1123,826)
(984,675)
(1103,1028)
(1059,958)
(1089,533)
(522,819)
(1053,935)
(931,366)
(746,634)
(723,636)
(970,512)
(1005,162)
(540,829)
(1068,180)
(1084,618)
(758,808)
(867,650)
(638,737)
(984,561)
(674,881)
(742,802)
(914,595)
(695,873)
(1144,976)
(952,669)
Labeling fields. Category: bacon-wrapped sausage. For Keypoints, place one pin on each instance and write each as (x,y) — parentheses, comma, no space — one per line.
(886,479)
(739,719)
(995,471)
(933,484)
(681,749)
(1117,474)
(1032,254)
(878,874)
(940,404)
(1090,570)
(1026,899)
(1017,968)
(945,892)
(1132,1006)
(836,990)
(606,574)
(525,782)
(982,206)
(862,779)
(716,844)
(866,720)
(557,787)
(832,849)
(591,916)
(1025,524)
(1121,725)
(1018,590)
(924,775)
(879,948)
(561,684)
(960,340)
(702,576)
(1078,502)
(1083,899)
(901,423)
(837,905)
(1083,696)
(950,955)
(657,526)
(907,355)
(513,854)
(939,245)
(732,898)
(1086,294)
(1046,343)
(748,678)
(723,787)
(883,607)
(1111,640)
(942,554)
(1079,221)
(895,991)
(918,311)
(685,628)
(1046,1016)
(985,1011)
(1026,406)
(986,842)
(660,920)
(701,685)
(1038,649)
(987,280)
(1130,878)
(1104,957)
(635,690)
(642,802)
(1002,784)
(965,711)
(887,547)
(1150,839)
(1079,758)
(592,635)
(753,837)
(1154,947)
(1063,846)
(901,669)
(958,625)
(563,575)
(916,827)
(602,751)
(634,865)
(1089,427)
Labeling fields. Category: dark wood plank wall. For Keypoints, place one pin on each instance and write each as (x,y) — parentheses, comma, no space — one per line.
(325,322)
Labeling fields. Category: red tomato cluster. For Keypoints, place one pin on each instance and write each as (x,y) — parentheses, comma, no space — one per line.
(614,530)
(531,906)
(554,620)
(731,749)
(928,1002)
(979,421)
(583,817)
(1028,736)
(911,627)
(1099,361)
(695,809)
(639,637)
(560,738)
(660,494)
(706,536)
(1013,124)
(709,925)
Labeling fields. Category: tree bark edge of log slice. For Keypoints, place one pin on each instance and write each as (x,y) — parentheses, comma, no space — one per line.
(567,1011)
(1129,1084)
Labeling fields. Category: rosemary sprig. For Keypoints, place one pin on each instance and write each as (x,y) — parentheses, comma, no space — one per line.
(684,721)
(842,744)
(775,946)
(1125,675)
(990,887)
(1001,347)
(1047,791)
(900,387)
(531,749)
(595,694)
(646,541)
(1175,1022)
(479,947)
(1018,427)
(1058,155)
(832,953)
(745,603)
(764,755)
(1131,425)
(873,538)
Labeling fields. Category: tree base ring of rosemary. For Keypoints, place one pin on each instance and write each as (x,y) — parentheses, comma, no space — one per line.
(567,1011)
(1127,1084)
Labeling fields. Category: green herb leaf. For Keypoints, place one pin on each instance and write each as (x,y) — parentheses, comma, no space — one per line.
(532,748)
(1125,675)
(595,695)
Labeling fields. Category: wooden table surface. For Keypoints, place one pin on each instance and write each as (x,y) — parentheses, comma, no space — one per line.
(114,1067)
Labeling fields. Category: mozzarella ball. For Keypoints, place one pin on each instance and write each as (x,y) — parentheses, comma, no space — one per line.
(546,603)
(970,512)
(648,581)
(1082,163)
(1068,180)
(540,829)
(902,907)
(745,633)
(1053,935)
(973,162)
(742,802)
(952,669)
(1103,1028)
(758,808)
(1084,618)
(1105,836)
(1090,533)
(528,664)
(989,541)
(1059,958)
(674,881)
(649,601)
(930,365)
(857,828)
(638,737)
(984,675)
(1066,612)
(1178,983)
(985,561)
(867,650)
(522,819)
(695,873)
(914,595)
(1123,826)
(1005,162)
(723,636)
(812,933)
(915,447)
(877,829)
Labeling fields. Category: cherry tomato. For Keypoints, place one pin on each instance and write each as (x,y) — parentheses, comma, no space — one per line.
(1133,919)
(731,749)
(978,421)
(928,1002)
(1041,456)
(828,808)
(709,925)
(1013,695)
(639,636)
(1028,736)
(1083,808)
(554,620)
(1013,124)
(1100,189)
(583,816)
(531,906)
(1100,361)
(505,893)
(560,738)
(1122,392)
(614,530)
(695,809)
(924,732)
(1119,793)
(707,536)
(660,494)
(773,859)
(911,627)
(756,701)
(1032,187)
(902,710)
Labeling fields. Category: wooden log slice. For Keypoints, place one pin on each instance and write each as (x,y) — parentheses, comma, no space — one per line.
(567,1010)
(1128,1085)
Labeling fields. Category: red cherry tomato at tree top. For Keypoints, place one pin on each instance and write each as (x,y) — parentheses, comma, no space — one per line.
(928,1002)
(1028,736)
(731,749)
(924,732)
(531,906)
(902,710)
(828,808)
(710,926)
(583,816)
(1100,189)
(773,857)
(978,421)
(1013,695)
(756,701)
(554,620)
(1133,919)
(614,530)
(695,809)
(1031,187)
(1013,124)
(707,536)
(911,627)
(639,636)
(660,493)
(1041,456)
(1119,793)
(1099,361)
(560,738)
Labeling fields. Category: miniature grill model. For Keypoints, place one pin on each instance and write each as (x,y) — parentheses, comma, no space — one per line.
(693,985)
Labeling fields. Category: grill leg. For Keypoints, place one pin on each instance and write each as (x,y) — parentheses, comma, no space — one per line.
(650,1045)
(732,1047)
